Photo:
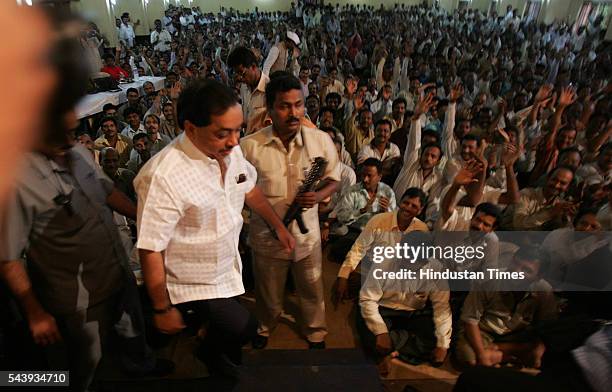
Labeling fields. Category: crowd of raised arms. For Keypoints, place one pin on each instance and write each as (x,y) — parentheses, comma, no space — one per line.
(442,121)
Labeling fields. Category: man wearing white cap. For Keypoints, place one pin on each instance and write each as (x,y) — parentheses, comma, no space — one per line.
(284,56)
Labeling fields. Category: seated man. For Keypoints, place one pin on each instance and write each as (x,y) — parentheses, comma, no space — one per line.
(396,318)
(112,69)
(111,138)
(132,116)
(421,158)
(141,146)
(362,201)
(380,147)
(133,102)
(497,325)
(384,229)
(87,141)
(110,110)
(469,189)
(543,207)
(347,180)
(122,178)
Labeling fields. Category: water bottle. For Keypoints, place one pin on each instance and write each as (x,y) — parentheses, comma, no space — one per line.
(134,68)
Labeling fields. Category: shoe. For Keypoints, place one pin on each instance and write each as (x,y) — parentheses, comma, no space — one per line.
(218,364)
(316,345)
(259,342)
(162,368)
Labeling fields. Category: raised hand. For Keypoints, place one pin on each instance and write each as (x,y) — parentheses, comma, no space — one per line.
(456,93)
(358,102)
(351,86)
(175,91)
(468,173)
(510,154)
(567,97)
(423,105)
(543,93)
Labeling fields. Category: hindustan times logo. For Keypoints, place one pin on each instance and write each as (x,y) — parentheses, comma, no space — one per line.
(413,253)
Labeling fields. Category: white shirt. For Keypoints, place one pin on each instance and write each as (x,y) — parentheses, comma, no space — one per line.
(196,222)
(129,132)
(367,151)
(161,39)
(126,33)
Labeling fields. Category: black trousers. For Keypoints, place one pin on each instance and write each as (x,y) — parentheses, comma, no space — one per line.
(563,377)
(228,325)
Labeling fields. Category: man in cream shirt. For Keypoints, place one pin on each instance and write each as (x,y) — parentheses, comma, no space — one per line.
(282,153)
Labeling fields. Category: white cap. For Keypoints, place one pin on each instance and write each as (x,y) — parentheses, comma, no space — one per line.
(293,37)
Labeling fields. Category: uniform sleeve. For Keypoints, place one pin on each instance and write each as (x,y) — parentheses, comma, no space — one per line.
(16,222)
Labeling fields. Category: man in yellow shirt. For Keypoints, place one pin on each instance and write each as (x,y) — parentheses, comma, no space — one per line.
(384,229)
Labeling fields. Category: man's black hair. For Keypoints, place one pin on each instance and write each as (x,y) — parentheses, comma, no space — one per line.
(132,90)
(138,136)
(413,192)
(280,82)
(326,109)
(571,149)
(585,211)
(202,99)
(109,118)
(241,56)
(491,210)
(373,162)
(432,133)
(333,96)
(383,121)
(432,145)
(397,101)
(108,106)
(129,111)
(469,137)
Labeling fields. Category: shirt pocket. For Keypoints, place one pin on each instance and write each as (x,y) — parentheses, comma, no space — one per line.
(272,188)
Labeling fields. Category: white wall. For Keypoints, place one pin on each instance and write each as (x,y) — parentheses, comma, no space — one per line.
(97,10)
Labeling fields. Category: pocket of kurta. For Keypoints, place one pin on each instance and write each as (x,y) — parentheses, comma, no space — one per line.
(272,188)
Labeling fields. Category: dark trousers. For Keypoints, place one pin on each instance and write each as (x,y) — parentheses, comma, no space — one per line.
(228,326)
(340,246)
(412,333)
(113,327)
(564,377)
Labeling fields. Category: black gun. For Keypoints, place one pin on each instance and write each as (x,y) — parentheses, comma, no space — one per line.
(312,177)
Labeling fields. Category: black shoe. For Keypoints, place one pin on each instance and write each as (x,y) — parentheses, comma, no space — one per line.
(259,342)
(218,364)
(162,368)
(316,345)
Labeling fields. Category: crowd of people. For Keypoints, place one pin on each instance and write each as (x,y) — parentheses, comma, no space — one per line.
(428,121)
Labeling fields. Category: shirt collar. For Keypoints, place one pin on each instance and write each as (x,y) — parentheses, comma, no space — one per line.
(272,138)
(191,150)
